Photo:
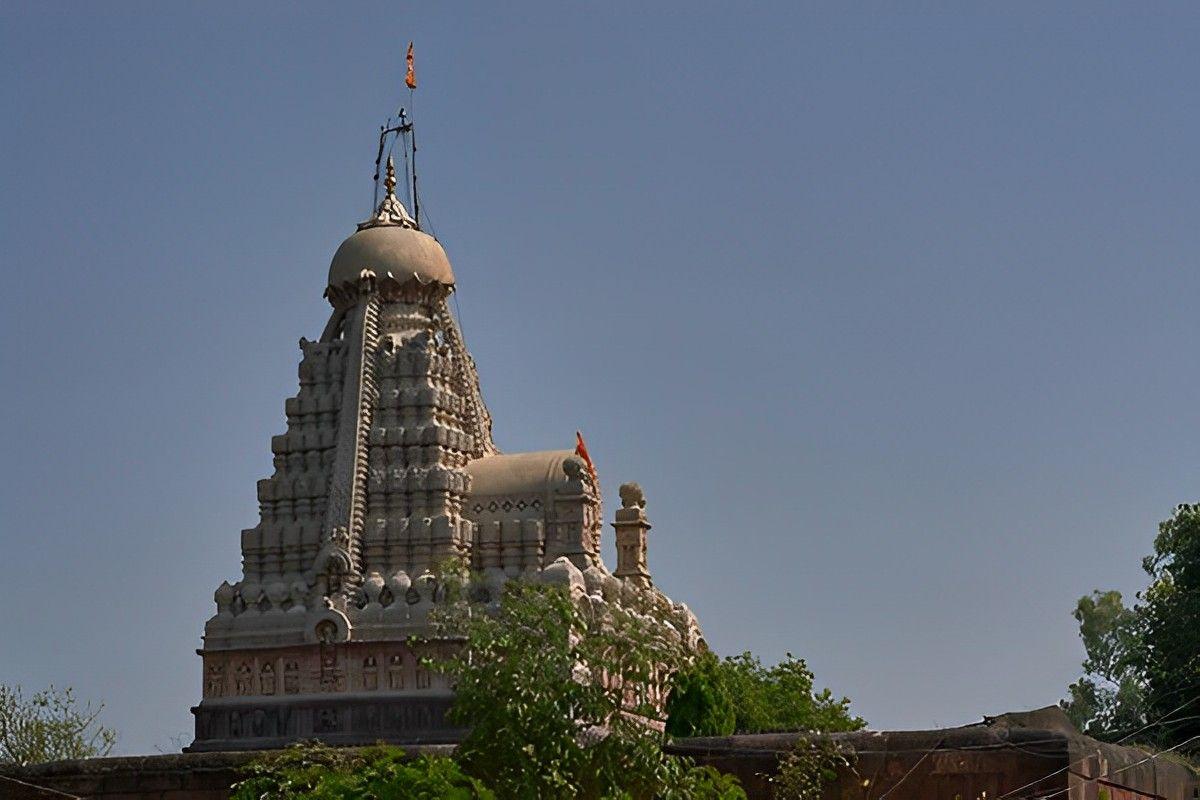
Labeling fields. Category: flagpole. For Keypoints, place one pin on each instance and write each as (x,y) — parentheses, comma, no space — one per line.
(410,80)
(416,202)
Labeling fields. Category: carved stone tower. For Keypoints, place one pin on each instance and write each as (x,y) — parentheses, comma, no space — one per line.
(387,474)
(631,527)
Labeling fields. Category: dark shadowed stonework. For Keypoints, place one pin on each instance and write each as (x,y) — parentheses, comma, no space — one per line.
(183,776)
(337,720)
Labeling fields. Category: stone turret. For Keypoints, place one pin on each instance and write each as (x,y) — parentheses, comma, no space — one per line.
(387,477)
(632,527)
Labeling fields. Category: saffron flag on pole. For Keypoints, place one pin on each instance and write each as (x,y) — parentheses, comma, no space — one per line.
(582,451)
(410,75)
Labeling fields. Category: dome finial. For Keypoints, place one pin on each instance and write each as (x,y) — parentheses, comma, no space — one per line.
(390,181)
(391,211)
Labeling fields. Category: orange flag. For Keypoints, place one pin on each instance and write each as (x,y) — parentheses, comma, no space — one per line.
(581,451)
(410,76)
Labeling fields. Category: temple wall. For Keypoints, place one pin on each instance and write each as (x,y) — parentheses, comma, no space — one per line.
(341,693)
(952,764)
(971,763)
(179,776)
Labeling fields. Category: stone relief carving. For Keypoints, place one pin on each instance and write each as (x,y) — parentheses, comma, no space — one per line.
(267,679)
(396,673)
(216,680)
(632,496)
(291,678)
(326,721)
(243,680)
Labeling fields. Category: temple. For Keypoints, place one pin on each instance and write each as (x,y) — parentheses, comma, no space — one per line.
(387,473)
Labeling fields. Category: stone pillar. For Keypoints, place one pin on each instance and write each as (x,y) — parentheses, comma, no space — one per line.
(575,514)
(632,526)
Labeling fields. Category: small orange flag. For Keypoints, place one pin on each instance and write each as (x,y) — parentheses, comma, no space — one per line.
(410,75)
(581,451)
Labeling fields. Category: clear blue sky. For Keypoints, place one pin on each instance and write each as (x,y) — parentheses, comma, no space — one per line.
(893,315)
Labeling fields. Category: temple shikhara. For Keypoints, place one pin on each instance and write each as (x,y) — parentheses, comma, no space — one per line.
(387,472)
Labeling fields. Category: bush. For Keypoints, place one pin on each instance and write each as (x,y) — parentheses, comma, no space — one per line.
(700,703)
(760,699)
(310,771)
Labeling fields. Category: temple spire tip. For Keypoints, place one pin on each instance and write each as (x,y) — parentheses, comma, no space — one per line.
(390,180)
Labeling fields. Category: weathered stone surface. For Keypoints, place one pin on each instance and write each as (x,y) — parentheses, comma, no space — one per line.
(1018,756)
(187,776)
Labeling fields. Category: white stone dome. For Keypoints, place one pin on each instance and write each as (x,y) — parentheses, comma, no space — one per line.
(391,245)
(402,252)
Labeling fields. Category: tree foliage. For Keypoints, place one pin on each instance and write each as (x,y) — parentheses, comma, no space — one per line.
(558,699)
(781,698)
(1108,700)
(1170,616)
(1143,661)
(700,703)
(310,771)
(739,694)
(49,726)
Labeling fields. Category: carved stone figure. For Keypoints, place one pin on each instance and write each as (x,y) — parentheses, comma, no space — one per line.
(291,678)
(632,496)
(216,681)
(243,680)
(267,679)
(396,673)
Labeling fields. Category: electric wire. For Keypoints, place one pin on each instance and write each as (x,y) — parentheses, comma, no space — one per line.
(407,171)
(912,769)
(1122,769)
(1123,739)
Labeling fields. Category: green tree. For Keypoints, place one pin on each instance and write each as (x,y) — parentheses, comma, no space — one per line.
(712,697)
(1143,662)
(49,726)
(558,698)
(700,703)
(1107,702)
(1170,618)
(310,771)
(781,698)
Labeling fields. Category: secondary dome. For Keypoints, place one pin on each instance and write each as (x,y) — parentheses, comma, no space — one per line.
(389,244)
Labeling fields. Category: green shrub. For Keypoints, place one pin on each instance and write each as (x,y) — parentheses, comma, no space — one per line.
(310,771)
(760,699)
(700,703)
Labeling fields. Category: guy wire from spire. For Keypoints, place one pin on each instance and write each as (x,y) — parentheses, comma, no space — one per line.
(416,200)
(385,131)
(407,173)
(412,105)
(378,156)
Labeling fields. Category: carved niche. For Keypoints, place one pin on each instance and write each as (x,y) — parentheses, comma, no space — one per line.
(267,679)
(396,673)
(215,686)
(370,674)
(291,678)
(244,680)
